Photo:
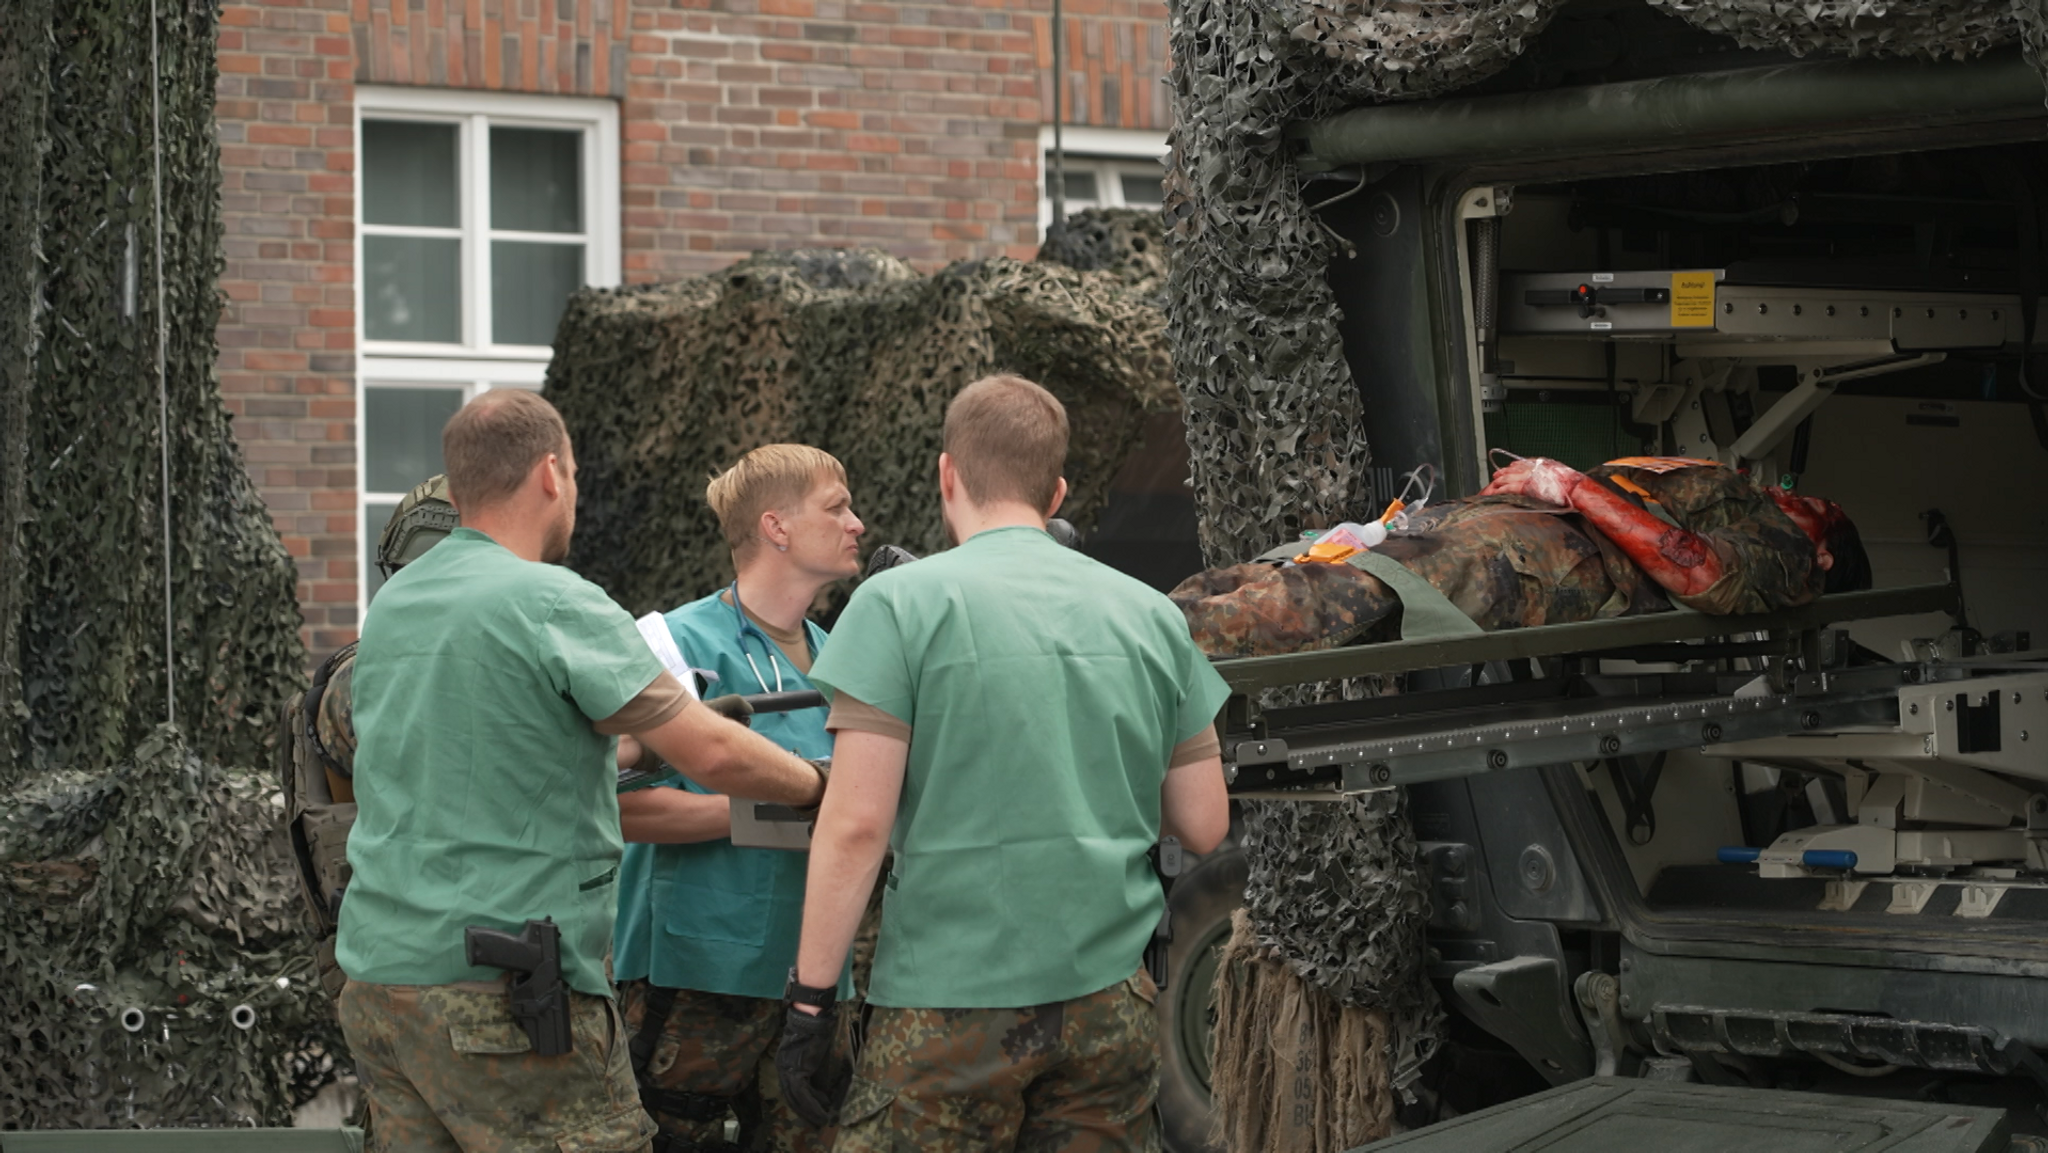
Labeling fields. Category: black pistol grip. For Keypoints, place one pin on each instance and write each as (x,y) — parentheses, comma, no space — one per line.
(499,950)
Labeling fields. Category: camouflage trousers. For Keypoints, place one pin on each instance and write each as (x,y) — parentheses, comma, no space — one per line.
(445,1067)
(1078,1076)
(717,1052)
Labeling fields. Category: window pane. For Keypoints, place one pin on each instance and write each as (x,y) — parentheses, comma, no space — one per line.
(1143,191)
(536,180)
(529,285)
(412,288)
(1080,185)
(409,174)
(402,435)
(375,516)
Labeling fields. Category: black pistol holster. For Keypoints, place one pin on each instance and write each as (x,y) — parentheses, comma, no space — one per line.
(1166,861)
(540,999)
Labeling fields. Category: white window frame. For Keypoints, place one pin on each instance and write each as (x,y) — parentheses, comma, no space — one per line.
(472,366)
(1108,153)
(474,114)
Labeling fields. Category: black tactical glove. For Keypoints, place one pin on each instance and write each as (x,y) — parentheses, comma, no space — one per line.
(814,1078)
(732,707)
(823,765)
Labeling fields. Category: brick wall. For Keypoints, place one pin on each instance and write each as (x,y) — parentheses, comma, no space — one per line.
(564,47)
(1115,60)
(910,125)
(287,337)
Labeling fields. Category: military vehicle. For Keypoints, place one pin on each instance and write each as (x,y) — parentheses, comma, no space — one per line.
(1704,858)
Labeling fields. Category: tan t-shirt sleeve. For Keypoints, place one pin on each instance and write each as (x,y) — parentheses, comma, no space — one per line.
(1199,747)
(848,713)
(653,707)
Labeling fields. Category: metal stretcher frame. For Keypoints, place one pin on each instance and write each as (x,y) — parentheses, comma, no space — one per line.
(1250,674)
(1340,748)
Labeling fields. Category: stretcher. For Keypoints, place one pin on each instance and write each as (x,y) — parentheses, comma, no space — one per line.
(1946,761)
(1574,712)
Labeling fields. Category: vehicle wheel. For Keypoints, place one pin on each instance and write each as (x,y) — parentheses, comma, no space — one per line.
(1202,902)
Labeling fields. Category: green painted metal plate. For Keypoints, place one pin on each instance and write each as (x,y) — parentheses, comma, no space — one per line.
(1613,1115)
(182,1141)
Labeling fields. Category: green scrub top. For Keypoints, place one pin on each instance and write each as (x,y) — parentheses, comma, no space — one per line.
(1045,693)
(712,916)
(484,796)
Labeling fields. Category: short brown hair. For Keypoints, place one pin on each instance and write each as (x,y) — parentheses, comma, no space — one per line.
(770,477)
(1008,440)
(491,443)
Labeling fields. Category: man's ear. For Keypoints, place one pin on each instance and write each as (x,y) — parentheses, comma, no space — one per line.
(949,477)
(1059,497)
(551,475)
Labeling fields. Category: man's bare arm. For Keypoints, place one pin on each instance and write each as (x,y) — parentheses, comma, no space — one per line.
(1194,806)
(847,848)
(733,759)
(673,817)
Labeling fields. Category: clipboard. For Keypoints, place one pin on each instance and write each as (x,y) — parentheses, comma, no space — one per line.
(762,825)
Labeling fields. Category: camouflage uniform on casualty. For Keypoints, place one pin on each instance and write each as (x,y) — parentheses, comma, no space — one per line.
(714,1054)
(1514,561)
(451,1070)
(1077,1076)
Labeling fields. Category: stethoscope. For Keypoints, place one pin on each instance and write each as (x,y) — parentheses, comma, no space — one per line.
(745,626)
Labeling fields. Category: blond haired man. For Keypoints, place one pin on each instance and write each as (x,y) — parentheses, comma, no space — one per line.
(1021,723)
(489,687)
(707,929)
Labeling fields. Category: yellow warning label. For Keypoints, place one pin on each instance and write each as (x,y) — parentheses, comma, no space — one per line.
(1692,300)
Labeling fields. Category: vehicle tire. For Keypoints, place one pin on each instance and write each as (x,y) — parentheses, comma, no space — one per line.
(1203,900)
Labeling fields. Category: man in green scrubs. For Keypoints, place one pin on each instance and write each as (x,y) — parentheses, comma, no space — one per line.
(490,687)
(707,929)
(1022,723)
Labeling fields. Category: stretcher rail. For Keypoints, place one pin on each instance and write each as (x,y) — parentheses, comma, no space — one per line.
(1345,747)
(1581,638)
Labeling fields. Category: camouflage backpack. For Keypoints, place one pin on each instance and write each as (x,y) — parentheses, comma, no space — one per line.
(317,749)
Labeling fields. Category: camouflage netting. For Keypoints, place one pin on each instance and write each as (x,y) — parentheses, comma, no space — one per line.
(1418,49)
(158,970)
(1130,242)
(1273,413)
(140,867)
(851,351)
(1956,29)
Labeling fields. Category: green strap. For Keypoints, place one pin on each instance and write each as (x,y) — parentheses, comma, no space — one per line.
(1426,614)
(1282,552)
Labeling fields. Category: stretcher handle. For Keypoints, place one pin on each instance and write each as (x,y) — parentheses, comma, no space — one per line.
(788,702)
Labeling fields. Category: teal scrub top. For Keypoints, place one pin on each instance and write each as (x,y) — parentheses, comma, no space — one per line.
(484,796)
(712,916)
(1045,693)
